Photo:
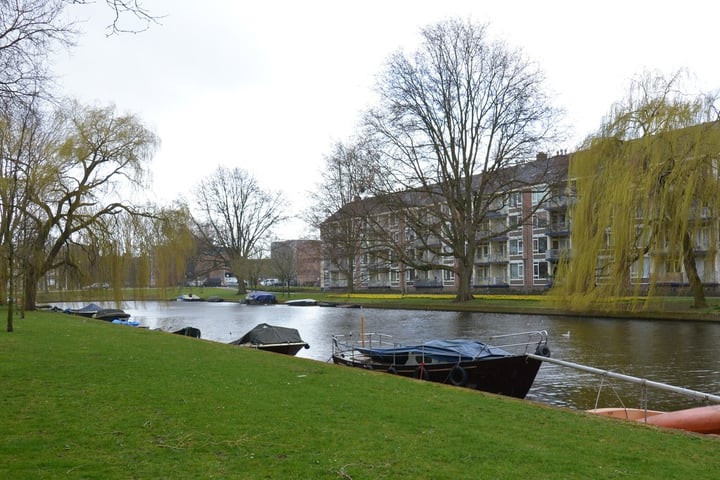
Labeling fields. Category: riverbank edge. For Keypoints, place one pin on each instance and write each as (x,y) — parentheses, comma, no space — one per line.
(674,308)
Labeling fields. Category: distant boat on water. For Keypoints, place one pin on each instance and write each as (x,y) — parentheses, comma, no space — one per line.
(188,297)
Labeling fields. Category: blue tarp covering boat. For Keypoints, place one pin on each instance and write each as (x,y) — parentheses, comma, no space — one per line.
(260,298)
(445,350)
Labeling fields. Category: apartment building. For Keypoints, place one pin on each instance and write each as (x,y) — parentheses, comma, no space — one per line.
(522,242)
(297,260)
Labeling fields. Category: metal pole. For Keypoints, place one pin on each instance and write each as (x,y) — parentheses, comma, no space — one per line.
(662,386)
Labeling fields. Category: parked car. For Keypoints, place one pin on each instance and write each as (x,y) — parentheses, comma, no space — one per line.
(213,282)
(271,282)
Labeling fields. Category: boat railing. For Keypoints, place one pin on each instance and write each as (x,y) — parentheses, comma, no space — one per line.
(534,342)
(520,343)
(365,340)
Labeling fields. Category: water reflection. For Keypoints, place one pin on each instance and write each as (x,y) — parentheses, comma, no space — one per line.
(679,353)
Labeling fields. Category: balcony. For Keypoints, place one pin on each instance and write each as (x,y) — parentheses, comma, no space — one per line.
(494,258)
(558,229)
(490,282)
(556,254)
(559,203)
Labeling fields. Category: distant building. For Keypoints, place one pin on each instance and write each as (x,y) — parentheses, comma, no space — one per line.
(297,261)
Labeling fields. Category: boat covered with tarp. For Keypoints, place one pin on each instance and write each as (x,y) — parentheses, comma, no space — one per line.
(188,332)
(496,368)
(273,339)
(110,314)
(87,311)
(260,298)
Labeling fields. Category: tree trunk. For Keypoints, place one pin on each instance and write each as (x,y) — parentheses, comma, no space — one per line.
(30,290)
(464,287)
(691,271)
(351,274)
(10,327)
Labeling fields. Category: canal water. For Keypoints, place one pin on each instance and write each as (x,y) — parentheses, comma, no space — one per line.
(683,354)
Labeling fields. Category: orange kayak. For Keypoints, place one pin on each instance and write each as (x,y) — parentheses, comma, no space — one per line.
(698,419)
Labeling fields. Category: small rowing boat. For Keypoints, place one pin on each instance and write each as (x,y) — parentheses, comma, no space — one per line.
(698,419)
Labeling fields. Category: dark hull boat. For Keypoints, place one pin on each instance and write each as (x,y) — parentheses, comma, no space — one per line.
(87,311)
(188,332)
(110,314)
(272,339)
(504,369)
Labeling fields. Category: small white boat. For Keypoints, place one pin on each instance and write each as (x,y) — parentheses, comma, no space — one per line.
(189,297)
(302,302)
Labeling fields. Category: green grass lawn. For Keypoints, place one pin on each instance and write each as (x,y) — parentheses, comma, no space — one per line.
(86,399)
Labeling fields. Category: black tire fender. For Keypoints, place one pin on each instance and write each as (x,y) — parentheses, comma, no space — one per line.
(458,376)
(543,350)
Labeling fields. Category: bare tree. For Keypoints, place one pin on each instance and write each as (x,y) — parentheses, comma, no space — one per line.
(236,217)
(20,130)
(284,262)
(455,119)
(348,175)
(31,30)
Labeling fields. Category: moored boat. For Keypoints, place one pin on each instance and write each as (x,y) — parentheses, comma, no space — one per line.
(302,302)
(625,413)
(87,311)
(188,332)
(110,314)
(698,419)
(260,298)
(188,297)
(272,339)
(501,368)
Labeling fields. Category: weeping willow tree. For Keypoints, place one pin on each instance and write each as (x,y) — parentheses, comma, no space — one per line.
(647,193)
(138,251)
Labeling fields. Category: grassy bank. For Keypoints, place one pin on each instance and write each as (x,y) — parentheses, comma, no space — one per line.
(88,399)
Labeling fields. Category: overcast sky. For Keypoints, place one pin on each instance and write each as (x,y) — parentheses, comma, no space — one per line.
(270,86)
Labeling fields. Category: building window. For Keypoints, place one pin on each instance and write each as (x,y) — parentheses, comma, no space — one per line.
(540,220)
(539,245)
(482,274)
(516,247)
(539,196)
(515,199)
(540,270)
(516,271)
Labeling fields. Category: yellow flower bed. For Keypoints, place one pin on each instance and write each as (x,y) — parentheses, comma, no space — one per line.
(437,296)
